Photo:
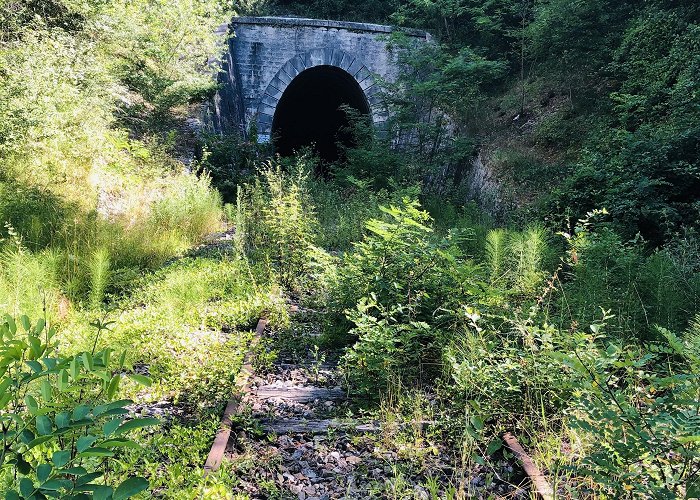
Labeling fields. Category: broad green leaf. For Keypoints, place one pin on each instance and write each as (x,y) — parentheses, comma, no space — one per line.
(76,471)
(136,423)
(12,495)
(494,446)
(43,472)
(46,391)
(39,327)
(26,324)
(80,412)
(113,385)
(88,361)
(141,379)
(62,420)
(86,478)
(61,458)
(35,344)
(106,356)
(11,324)
(96,452)
(31,403)
(57,484)
(102,493)
(84,442)
(5,384)
(44,425)
(111,425)
(26,436)
(99,410)
(130,487)
(38,441)
(35,366)
(63,380)
(26,487)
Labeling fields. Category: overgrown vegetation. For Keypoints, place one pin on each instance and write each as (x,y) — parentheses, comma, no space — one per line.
(523,330)
(570,316)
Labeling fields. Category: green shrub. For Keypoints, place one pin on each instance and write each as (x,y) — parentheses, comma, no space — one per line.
(397,286)
(60,422)
(639,287)
(389,348)
(278,206)
(642,417)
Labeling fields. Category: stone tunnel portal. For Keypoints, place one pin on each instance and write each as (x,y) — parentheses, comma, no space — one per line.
(310,114)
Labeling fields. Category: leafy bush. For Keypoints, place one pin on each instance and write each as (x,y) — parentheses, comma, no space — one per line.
(396,283)
(60,422)
(230,162)
(641,289)
(643,418)
(278,206)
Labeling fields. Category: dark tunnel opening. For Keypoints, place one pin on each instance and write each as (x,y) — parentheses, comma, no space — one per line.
(309,114)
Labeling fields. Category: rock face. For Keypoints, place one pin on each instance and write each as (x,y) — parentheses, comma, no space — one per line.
(265,54)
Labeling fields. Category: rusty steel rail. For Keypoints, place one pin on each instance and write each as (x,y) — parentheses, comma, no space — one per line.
(537,478)
(216,454)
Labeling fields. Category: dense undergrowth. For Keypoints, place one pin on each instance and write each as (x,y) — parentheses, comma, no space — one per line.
(584,346)
(99,210)
(572,320)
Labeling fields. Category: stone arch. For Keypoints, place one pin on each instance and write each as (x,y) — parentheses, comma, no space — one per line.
(318,57)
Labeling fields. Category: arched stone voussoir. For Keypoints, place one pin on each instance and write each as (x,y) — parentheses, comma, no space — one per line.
(270,100)
(299,63)
(289,69)
(337,58)
(315,57)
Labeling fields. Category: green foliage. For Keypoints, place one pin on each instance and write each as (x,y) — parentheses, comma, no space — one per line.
(496,244)
(99,277)
(230,162)
(278,206)
(342,211)
(183,448)
(391,287)
(516,260)
(641,289)
(386,349)
(174,322)
(60,420)
(643,419)
(189,210)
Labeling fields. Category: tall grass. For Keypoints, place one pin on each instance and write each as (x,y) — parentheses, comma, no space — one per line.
(89,253)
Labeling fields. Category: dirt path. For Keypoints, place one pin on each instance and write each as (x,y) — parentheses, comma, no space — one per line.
(301,439)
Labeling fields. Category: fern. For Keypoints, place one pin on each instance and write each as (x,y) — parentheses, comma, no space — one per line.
(527,254)
(99,276)
(496,243)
